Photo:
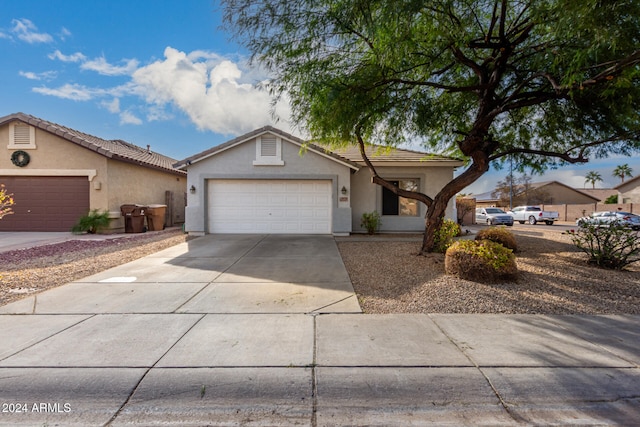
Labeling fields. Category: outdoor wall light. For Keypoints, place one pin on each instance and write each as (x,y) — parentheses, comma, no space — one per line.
(344,190)
(192,190)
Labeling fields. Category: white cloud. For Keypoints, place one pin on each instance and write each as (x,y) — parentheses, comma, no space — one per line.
(101,66)
(77,92)
(128,118)
(113,106)
(64,33)
(218,94)
(26,31)
(46,75)
(69,91)
(209,89)
(75,57)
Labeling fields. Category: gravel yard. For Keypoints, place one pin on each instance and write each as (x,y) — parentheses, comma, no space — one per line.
(28,271)
(387,274)
(389,277)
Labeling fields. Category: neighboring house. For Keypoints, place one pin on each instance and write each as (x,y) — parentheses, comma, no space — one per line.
(548,192)
(269,181)
(488,200)
(601,194)
(629,191)
(557,193)
(58,174)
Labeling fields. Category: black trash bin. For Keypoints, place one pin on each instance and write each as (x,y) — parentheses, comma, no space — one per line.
(133,218)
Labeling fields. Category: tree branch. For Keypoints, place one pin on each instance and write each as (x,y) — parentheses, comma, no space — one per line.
(567,156)
(377,179)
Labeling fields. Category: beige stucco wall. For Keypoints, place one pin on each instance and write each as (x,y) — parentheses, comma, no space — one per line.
(112,182)
(629,192)
(560,194)
(367,197)
(54,156)
(131,184)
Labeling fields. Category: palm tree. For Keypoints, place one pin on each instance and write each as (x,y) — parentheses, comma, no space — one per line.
(622,171)
(592,177)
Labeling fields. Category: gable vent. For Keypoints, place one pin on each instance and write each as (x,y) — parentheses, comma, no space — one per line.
(268,146)
(21,136)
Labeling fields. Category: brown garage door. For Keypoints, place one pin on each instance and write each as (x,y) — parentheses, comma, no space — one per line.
(45,203)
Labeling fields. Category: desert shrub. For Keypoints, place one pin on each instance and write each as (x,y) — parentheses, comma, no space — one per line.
(499,235)
(445,234)
(614,246)
(371,221)
(93,222)
(480,261)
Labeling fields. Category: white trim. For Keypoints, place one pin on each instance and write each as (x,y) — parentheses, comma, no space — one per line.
(268,160)
(89,173)
(32,137)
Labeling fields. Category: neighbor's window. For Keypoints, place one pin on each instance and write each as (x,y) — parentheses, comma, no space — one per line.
(394,205)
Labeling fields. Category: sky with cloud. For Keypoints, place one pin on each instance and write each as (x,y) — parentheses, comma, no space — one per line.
(123,69)
(157,72)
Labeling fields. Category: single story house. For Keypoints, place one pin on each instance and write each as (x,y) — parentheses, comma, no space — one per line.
(268,181)
(629,191)
(547,192)
(57,174)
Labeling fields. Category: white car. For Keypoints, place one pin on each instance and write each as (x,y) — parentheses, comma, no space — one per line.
(603,219)
(493,216)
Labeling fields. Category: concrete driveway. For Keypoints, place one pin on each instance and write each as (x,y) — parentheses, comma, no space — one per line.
(266,330)
(213,274)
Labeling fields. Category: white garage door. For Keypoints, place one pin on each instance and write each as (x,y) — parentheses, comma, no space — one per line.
(270,206)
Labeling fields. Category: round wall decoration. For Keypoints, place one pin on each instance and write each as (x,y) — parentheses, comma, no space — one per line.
(20,158)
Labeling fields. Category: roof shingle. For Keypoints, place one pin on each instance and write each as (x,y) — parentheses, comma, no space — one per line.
(114,149)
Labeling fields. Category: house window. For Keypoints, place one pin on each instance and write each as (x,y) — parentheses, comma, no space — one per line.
(400,206)
(22,136)
(268,151)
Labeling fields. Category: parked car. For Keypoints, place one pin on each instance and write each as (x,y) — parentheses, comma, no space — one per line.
(533,215)
(493,216)
(605,218)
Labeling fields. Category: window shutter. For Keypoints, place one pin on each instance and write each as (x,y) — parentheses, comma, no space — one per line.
(268,146)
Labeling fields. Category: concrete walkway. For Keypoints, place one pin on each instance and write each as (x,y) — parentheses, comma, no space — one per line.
(266,330)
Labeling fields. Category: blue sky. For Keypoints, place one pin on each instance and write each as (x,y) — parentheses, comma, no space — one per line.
(157,72)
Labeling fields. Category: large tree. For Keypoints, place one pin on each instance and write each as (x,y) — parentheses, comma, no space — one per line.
(592,177)
(540,82)
(622,171)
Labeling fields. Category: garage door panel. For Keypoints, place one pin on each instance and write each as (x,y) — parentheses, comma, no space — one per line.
(45,203)
(269,206)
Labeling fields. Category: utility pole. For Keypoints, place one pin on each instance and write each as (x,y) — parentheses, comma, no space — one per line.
(511,182)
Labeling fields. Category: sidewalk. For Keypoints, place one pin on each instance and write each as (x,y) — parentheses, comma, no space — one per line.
(266,330)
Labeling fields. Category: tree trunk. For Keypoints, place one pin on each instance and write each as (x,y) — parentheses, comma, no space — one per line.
(437,209)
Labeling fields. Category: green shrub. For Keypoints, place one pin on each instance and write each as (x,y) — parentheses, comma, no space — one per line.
(499,235)
(613,246)
(91,223)
(371,221)
(611,200)
(480,261)
(445,234)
